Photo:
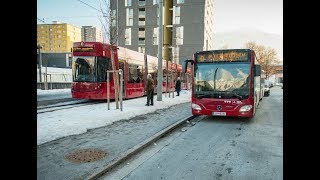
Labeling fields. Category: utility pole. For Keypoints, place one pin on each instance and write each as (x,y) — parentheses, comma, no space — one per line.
(160,44)
(40,63)
(117,19)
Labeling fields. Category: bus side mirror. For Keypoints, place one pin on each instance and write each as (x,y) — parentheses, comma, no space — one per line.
(185,65)
(257,70)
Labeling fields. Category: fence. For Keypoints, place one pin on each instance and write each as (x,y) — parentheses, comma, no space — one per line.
(54,81)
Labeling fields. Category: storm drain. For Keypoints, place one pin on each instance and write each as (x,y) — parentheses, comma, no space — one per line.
(86,155)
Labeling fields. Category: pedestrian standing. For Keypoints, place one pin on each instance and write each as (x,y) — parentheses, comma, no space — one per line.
(150,90)
(178,86)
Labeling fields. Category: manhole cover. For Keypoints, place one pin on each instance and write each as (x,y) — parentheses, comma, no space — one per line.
(86,155)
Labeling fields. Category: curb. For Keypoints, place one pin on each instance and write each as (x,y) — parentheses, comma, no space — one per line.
(138,148)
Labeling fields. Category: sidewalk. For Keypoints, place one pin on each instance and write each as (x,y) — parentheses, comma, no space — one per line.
(95,128)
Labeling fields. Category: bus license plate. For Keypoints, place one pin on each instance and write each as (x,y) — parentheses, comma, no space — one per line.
(219,113)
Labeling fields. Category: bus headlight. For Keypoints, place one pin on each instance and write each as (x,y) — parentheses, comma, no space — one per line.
(245,108)
(196,107)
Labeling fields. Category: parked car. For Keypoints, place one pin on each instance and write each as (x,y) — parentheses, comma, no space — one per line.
(266,90)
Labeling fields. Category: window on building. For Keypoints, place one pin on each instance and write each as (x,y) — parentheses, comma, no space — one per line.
(158,16)
(155,36)
(128,36)
(141,49)
(113,22)
(142,32)
(177,20)
(176,54)
(142,12)
(176,13)
(142,22)
(142,2)
(128,2)
(179,35)
(155,2)
(114,18)
(180,1)
(129,17)
(142,41)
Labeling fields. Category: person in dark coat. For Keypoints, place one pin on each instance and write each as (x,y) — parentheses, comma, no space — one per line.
(150,90)
(178,86)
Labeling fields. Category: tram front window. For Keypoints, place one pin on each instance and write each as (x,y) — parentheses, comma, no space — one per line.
(84,69)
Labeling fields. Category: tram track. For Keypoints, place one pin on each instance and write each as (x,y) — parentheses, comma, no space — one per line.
(56,107)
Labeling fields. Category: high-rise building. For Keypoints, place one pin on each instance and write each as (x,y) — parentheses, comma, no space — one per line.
(57,37)
(188,26)
(91,34)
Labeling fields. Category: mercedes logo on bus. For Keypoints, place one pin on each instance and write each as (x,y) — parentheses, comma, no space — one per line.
(219,107)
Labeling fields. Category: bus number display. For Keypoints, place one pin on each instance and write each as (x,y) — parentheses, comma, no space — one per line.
(223,56)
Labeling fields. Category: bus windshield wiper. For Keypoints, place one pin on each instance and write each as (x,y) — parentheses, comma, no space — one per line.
(236,95)
(203,95)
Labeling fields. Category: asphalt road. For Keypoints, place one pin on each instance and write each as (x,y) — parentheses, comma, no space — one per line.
(216,148)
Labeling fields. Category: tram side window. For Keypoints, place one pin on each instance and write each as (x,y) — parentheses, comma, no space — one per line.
(135,74)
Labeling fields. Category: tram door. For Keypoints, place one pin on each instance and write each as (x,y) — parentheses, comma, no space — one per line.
(121,66)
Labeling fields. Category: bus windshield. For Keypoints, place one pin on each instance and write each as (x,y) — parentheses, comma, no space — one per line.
(90,69)
(222,80)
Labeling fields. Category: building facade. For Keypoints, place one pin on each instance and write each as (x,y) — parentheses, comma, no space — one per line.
(187,26)
(57,37)
(58,60)
(91,34)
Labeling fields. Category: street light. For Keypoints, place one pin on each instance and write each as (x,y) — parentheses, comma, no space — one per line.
(39,47)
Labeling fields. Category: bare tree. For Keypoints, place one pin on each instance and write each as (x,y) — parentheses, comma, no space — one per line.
(266,56)
(110,33)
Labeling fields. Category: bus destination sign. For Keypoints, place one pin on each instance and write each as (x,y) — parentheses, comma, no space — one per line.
(83,49)
(219,56)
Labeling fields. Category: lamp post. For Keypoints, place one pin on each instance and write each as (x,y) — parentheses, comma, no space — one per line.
(160,51)
(39,47)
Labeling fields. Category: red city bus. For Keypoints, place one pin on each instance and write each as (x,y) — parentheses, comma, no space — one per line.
(92,60)
(225,82)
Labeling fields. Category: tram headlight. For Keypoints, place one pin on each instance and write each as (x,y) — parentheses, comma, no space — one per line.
(245,108)
(196,107)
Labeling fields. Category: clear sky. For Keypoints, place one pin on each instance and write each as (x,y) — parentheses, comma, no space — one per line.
(264,15)
(74,12)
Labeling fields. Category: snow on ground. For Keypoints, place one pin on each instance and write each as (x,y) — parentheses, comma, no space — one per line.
(53,91)
(61,123)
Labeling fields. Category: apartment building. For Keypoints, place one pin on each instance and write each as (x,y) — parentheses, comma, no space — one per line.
(91,34)
(187,26)
(57,37)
